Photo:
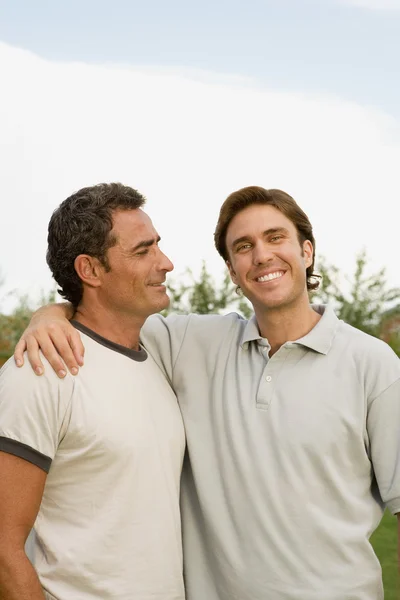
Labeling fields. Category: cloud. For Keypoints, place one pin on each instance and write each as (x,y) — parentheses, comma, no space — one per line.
(382,5)
(186,140)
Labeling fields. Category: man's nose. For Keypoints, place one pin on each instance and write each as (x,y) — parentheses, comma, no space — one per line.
(262,253)
(165,263)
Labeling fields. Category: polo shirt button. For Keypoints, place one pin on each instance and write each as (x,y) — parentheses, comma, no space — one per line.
(268,378)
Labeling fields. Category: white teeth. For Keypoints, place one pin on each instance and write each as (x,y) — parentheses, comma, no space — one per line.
(270,276)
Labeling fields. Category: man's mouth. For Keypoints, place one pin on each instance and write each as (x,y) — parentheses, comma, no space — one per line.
(270,276)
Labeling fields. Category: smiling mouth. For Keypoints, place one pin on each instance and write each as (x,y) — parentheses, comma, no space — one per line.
(270,276)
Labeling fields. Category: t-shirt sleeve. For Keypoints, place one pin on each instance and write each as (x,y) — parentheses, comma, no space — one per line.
(34,412)
(163,338)
(383,425)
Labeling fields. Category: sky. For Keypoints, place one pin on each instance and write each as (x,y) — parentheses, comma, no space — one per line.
(188,101)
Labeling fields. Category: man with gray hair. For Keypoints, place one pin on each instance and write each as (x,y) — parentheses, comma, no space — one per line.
(93,462)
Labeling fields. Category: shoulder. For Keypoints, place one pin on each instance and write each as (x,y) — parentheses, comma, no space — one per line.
(366,345)
(24,378)
(376,362)
(175,331)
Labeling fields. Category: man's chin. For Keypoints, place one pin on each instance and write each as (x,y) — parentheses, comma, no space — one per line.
(270,302)
(163,303)
(156,307)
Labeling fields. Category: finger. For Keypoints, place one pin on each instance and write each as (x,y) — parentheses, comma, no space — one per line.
(64,350)
(50,351)
(77,347)
(19,352)
(67,341)
(32,348)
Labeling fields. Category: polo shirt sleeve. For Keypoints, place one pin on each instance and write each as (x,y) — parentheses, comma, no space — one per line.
(34,412)
(163,338)
(383,425)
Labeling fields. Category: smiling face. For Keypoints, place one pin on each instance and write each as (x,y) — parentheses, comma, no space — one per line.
(134,283)
(266,258)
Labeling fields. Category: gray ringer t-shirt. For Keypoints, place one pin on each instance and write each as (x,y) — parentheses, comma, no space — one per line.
(112,442)
(290,459)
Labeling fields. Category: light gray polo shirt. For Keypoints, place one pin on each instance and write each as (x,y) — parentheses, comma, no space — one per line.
(290,459)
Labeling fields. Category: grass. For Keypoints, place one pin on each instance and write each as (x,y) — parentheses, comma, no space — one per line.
(384,541)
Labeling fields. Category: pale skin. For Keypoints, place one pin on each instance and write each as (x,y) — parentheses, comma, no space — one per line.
(261,242)
(115,304)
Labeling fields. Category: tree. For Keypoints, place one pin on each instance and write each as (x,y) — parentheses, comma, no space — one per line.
(203,296)
(390,328)
(13,325)
(367,299)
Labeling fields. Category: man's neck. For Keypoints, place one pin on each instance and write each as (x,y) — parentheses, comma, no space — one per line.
(121,329)
(287,324)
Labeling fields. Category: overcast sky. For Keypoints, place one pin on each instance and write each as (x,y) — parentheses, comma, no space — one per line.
(189,101)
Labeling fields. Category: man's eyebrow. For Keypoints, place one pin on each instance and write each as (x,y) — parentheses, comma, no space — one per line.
(271,231)
(275,230)
(146,244)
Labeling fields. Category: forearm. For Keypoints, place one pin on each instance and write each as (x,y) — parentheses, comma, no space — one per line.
(57,311)
(18,578)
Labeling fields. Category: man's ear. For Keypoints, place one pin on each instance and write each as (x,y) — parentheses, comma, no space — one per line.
(308,252)
(88,269)
(231,272)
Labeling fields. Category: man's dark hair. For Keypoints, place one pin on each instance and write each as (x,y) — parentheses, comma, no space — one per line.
(82,224)
(241,199)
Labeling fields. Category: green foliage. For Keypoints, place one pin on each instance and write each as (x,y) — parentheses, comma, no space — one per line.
(365,302)
(204,296)
(390,328)
(14,324)
(384,542)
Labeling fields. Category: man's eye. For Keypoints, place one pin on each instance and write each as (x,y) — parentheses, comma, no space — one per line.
(276,238)
(142,252)
(243,247)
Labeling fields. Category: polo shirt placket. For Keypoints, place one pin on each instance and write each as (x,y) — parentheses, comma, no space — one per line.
(278,491)
(271,372)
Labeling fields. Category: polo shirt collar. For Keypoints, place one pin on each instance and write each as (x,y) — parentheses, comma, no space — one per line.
(320,338)
(250,333)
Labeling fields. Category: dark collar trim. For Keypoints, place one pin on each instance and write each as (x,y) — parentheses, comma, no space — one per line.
(138,355)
